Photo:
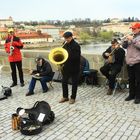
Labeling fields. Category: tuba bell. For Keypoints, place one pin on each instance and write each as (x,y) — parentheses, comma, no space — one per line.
(58,56)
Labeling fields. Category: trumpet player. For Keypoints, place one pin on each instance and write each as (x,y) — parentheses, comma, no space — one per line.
(71,68)
(132,44)
(114,57)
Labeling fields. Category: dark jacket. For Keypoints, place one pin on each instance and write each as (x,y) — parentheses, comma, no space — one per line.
(45,69)
(17,44)
(72,64)
(119,55)
(84,64)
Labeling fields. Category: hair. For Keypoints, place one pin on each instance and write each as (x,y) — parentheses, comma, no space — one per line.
(114,41)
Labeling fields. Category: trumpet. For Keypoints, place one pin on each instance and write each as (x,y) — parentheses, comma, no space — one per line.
(124,38)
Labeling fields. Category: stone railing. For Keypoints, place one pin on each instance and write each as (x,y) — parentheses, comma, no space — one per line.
(95,61)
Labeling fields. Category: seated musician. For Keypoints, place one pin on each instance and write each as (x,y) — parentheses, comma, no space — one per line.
(114,58)
(43,73)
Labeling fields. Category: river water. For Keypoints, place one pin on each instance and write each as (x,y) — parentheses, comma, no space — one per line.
(94,48)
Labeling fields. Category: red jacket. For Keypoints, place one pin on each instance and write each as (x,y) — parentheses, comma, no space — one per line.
(17,45)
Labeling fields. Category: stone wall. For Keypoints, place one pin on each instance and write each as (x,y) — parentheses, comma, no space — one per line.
(95,61)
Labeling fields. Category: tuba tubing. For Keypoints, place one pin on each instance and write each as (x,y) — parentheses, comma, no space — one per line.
(58,55)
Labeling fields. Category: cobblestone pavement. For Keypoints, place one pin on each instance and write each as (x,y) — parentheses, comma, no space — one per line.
(94,116)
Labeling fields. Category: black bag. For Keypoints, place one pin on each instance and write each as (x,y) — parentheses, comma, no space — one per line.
(41,111)
(92,77)
(7,91)
(40,114)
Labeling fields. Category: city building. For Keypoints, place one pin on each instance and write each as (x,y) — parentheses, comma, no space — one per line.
(6,22)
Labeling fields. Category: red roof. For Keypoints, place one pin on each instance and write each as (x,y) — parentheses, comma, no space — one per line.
(3,29)
(29,35)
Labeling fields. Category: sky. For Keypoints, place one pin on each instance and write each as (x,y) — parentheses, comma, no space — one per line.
(41,10)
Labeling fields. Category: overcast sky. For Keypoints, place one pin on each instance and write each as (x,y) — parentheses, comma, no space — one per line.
(27,10)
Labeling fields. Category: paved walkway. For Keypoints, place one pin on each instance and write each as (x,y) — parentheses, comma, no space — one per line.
(94,116)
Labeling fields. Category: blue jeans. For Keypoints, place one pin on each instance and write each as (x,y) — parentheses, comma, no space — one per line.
(43,82)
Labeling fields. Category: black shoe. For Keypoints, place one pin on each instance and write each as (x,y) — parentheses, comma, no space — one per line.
(110,91)
(129,98)
(29,93)
(137,101)
(13,84)
(44,91)
(22,84)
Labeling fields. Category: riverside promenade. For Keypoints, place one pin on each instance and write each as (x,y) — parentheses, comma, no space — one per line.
(94,116)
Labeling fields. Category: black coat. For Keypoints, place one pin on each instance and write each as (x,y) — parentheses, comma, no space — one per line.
(45,69)
(119,54)
(72,64)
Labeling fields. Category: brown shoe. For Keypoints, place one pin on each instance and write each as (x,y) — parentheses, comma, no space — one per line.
(64,100)
(110,91)
(71,101)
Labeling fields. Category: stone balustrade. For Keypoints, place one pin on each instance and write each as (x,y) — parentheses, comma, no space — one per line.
(95,61)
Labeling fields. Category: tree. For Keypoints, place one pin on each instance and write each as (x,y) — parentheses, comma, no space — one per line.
(106,35)
(84,36)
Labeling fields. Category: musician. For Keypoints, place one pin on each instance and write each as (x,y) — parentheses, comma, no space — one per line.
(132,44)
(114,57)
(13,45)
(71,67)
(43,73)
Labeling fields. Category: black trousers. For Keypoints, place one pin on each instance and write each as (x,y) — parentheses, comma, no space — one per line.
(134,80)
(111,71)
(75,79)
(13,66)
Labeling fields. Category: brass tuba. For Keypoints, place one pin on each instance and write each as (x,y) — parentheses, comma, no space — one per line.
(58,56)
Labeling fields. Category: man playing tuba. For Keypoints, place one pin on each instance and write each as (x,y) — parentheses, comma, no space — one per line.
(71,67)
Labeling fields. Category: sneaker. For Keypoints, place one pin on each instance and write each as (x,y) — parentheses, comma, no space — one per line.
(64,100)
(13,84)
(29,93)
(137,101)
(71,101)
(110,91)
(129,98)
(22,84)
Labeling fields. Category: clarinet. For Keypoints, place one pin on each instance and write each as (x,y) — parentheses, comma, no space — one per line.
(11,47)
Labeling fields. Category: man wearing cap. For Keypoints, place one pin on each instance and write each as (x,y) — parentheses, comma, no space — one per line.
(43,73)
(114,58)
(71,67)
(13,45)
(132,44)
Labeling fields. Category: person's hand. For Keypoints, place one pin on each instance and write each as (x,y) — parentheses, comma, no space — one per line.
(107,54)
(110,59)
(129,37)
(37,74)
(31,71)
